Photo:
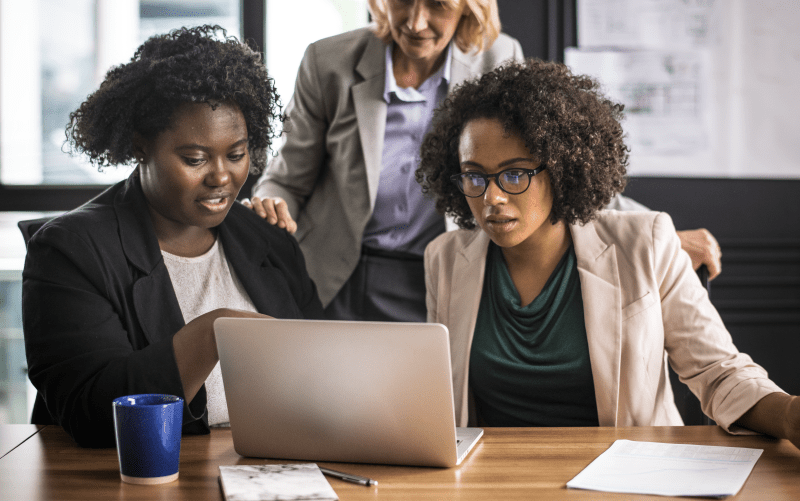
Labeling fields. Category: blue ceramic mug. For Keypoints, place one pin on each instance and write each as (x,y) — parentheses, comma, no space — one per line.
(148,429)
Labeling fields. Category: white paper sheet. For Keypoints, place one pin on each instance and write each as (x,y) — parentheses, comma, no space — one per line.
(668,469)
(275,482)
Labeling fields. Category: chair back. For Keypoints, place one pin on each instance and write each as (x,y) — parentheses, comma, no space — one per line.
(40,414)
(31,226)
(702,272)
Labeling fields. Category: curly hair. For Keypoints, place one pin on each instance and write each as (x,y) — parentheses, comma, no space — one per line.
(187,65)
(565,121)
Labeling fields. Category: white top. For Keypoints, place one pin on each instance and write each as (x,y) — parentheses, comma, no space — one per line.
(202,284)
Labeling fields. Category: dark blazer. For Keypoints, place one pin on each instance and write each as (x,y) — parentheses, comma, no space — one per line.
(99,310)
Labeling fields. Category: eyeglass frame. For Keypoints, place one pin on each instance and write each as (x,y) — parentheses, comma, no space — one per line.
(456,179)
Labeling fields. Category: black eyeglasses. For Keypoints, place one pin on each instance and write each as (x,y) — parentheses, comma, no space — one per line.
(512,181)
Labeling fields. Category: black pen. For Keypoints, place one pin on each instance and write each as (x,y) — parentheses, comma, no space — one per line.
(347,477)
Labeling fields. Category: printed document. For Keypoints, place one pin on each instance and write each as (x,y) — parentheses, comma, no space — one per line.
(668,469)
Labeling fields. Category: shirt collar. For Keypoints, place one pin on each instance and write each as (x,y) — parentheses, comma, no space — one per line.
(411,94)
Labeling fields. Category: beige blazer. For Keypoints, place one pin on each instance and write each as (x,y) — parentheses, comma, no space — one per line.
(643,305)
(329,165)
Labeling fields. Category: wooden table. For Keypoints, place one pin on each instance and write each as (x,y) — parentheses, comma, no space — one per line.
(12,435)
(508,464)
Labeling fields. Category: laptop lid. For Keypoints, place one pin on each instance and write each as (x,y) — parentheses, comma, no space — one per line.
(367,392)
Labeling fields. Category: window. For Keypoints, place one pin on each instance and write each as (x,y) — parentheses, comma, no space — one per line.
(290,29)
(76,42)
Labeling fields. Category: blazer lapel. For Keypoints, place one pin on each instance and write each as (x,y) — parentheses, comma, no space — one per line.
(156,305)
(466,297)
(602,307)
(371,111)
(262,281)
(154,300)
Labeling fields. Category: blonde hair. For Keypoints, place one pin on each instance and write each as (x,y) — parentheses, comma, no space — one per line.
(478,28)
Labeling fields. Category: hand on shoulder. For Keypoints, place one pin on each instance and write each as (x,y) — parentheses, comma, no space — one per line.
(702,248)
(274,210)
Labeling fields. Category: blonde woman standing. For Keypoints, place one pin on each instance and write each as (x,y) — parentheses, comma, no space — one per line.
(362,103)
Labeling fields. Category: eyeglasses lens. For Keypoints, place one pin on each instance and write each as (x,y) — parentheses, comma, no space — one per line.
(473,184)
(513,181)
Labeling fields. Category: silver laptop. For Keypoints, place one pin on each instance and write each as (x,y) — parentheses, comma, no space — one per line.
(362,392)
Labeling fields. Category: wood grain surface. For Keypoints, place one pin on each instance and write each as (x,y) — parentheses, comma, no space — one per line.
(508,464)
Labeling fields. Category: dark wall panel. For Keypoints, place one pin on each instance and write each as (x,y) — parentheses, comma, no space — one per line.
(757,223)
(543,27)
(741,208)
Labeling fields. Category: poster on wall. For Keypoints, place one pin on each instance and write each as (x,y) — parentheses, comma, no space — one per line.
(666,106)
(645,24)
(708,86)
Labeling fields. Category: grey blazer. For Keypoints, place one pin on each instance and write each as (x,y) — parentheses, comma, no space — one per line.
(329,165)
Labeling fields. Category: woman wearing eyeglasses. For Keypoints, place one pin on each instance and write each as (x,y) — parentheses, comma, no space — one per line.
(561,313)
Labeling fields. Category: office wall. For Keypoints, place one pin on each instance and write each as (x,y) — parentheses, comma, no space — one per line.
(544,28)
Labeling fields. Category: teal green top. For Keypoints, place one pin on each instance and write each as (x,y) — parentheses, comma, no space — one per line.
(530,364)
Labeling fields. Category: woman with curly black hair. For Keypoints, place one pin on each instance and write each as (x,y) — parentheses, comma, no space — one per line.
(120,294)
(561,313)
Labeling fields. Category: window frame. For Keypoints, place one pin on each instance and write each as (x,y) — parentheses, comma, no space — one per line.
(46,198)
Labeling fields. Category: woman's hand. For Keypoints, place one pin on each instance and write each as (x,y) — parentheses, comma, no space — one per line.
(274,210)
(702,248)
(777,414)
(793,421)
(195,348)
